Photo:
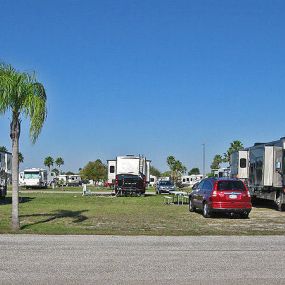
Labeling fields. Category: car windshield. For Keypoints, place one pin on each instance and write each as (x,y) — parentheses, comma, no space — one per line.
(165,183)
(230,185)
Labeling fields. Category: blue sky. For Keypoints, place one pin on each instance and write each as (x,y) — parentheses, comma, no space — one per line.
(147,77)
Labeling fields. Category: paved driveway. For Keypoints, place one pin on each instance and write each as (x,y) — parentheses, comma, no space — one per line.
(31,259)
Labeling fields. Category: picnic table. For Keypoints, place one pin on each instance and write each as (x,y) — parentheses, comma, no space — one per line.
(179,197)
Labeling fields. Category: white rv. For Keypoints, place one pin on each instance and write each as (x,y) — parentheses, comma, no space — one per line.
(34,178)
(262,167)
(190,180)
(152,180)
(5,171)
(129,173)
(69,180)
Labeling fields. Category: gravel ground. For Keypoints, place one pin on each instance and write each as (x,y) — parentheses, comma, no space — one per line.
(33,259)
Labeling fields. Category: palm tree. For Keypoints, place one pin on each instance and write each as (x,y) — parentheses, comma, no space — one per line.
(3,149)
(48,162)
(235,146)
(59,162)
(21,94)
(21,158)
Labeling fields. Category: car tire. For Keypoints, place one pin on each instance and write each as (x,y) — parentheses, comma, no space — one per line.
(191,208)
(206,210)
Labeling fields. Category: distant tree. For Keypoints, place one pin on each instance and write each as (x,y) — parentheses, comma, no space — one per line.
(22,95)
(48,162)
(94,170)
(56,171)
(59,162)
(194,171)
(69,173)
(217,160)
(234,146)
(176,167)
(3,149)
(21,158)
(166,174)
(154,171)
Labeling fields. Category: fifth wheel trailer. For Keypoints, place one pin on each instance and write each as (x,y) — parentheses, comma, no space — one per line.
(5,171)
(129,174)
(262,167)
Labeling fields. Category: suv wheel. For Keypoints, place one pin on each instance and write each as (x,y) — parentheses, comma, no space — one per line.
(206,210)
(191,208)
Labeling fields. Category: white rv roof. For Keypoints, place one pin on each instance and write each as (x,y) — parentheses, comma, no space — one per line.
(35,169)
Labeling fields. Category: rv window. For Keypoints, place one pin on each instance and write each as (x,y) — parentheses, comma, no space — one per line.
(242,163)
(112,169)
(188,179)
(183,179)
(151,179)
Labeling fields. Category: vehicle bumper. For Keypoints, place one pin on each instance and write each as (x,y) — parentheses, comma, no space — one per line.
(236,207)
(230,210)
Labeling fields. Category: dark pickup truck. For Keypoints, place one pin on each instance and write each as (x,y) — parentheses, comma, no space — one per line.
(130,184)
(3,184)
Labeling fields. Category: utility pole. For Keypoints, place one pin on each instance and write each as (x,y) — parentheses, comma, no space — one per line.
(204,174)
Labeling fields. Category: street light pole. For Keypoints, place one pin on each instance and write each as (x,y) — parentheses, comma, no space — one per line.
(204,174)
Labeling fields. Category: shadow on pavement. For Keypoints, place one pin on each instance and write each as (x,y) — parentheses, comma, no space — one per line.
(76,215)
(262,203)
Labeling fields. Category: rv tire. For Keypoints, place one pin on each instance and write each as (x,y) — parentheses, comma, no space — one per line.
(280,206)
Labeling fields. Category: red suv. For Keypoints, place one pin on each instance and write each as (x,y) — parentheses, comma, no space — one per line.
(220,195)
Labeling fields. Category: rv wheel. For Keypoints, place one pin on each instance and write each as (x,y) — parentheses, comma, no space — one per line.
(280,206)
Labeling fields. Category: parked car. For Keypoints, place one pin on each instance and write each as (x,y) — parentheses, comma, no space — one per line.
(221,195)
(164,187)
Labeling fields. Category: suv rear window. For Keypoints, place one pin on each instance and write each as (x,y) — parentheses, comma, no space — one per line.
(230,185)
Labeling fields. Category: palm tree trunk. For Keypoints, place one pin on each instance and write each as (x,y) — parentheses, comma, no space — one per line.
(15,134)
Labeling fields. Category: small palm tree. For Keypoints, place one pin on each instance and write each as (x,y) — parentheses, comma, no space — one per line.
(21,158)
(3,149)
(59,162)
(21,94)
(48,162)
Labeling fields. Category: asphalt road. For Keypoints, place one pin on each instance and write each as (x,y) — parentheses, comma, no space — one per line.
(31,259)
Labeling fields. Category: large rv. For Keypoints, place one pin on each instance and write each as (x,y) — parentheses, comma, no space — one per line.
(5,171)
(34,178)
(262,167)
(129,174)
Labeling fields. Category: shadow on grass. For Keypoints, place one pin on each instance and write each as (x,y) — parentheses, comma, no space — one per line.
(8,200)
(60,214)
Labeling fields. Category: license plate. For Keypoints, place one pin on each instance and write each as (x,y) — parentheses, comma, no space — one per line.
(232,196)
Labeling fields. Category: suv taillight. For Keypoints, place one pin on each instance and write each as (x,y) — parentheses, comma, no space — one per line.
(215,193)
(116,181)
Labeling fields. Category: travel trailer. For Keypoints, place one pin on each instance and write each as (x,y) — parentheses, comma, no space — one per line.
(190,180)
(34,178)
(129,174)
(69,180)
(262,168)
(152,180)
(221,172)
(5,171)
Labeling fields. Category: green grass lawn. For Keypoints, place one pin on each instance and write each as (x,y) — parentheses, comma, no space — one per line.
(73,214)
